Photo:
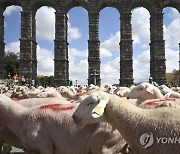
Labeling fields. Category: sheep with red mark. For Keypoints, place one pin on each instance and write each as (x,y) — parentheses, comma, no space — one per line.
(50,129)
(8,136)
(132,121)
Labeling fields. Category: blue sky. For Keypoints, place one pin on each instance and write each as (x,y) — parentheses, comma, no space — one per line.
(109,35)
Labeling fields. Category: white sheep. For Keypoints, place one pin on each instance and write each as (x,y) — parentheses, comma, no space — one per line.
(8,136)
(66,92)
(107,88)
(145,91)
(92,87)
(137,125)
(74,97)
(23,92)
(172,94)
(175,89)
(122,91)
(164,89)
(49,129)
(53,92)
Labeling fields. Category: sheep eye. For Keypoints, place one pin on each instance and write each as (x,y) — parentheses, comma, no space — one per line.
(89,104)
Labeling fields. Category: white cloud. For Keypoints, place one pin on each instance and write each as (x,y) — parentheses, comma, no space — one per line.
(78,65)
(110,72)
(174,14)
(140,26)
(172,58)
(105,53)
(172,31)
(112,44)
(172,38)
(73,33)
(144,57)
(13,47)
(45,65)
(45,27)
(141,64)
(110,69)
(45,23)
(5,24)
(141,67)
(79,71)
(75,54)
(10,9)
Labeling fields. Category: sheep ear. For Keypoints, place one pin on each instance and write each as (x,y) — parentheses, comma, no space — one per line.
(150,90)
(98,110)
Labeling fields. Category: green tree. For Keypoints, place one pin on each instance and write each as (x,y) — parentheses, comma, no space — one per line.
(45,81)
(51,80)
(170,77)
(11,62)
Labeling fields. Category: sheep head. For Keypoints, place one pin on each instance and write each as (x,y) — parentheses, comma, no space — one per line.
(91,109)
(142,91)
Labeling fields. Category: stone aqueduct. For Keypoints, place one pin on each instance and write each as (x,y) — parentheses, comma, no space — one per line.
(28,60)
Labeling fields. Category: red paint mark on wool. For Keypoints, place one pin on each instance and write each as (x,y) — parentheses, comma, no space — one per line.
(155,102)
(150,104)
(16,99)
(80,94)
(56,107)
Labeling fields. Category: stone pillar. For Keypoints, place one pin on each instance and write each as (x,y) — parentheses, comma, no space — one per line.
(34,48)
(28,61)
(61,63)
(2,47)
(157,48)
(93,48)
(126,62)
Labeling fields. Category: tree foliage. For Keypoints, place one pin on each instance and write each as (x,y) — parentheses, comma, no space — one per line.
(170,78)
(11,62)
(173,78)
(45,81)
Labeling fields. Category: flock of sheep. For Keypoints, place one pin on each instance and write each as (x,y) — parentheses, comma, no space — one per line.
(89,119)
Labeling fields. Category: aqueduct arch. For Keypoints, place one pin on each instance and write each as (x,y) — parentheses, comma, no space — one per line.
(28,60)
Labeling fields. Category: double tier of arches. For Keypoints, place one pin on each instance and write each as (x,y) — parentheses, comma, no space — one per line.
(28,44)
